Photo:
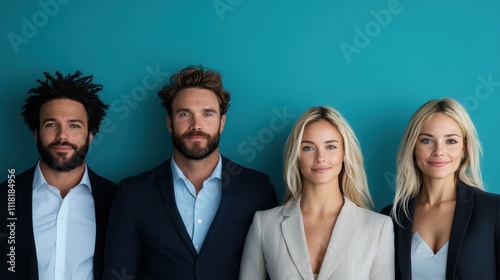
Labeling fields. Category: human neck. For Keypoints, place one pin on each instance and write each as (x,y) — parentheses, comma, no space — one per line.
(321,199)
(436,191)
(197,171)
(63,181)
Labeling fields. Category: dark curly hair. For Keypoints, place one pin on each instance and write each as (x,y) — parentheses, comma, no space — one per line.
(195,77)
(74,87)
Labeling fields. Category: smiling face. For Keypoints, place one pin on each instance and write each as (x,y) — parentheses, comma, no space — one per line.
(321,154)
(195,123)
(439,148)
(63,137)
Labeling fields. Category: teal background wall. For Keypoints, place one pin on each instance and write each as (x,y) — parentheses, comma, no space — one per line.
(375,61)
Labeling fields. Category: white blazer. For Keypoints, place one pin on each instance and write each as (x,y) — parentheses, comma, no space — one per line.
(361,246)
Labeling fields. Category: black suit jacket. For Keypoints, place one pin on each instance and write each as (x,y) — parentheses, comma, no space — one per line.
(474,245)
(26,266)
(147,239)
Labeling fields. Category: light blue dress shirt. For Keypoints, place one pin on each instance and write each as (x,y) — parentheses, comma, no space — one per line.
(197,211)
(425,265)
(64,230)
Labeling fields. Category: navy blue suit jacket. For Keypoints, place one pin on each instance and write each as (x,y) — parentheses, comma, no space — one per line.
(474,245)
(147,239)
(26,266)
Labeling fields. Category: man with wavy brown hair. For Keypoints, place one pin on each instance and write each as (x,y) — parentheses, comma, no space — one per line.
(187,218)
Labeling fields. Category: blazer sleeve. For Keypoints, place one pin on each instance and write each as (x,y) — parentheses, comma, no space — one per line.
(122,255)
(383,264)
(253,266)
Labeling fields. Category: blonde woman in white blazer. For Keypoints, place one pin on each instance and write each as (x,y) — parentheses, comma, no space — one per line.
(325,229)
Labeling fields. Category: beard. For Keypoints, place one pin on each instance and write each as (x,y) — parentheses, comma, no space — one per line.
(59,162)
(196,152)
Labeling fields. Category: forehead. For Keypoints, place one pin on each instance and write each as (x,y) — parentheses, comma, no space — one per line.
(321,130)
(191,98)
(441,123)
(63,109)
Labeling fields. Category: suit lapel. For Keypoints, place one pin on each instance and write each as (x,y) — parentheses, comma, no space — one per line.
(340,239)
(166,188)
(101,208)
(292,228)
(228,187)
(463,212)
(404,237)
(25,218)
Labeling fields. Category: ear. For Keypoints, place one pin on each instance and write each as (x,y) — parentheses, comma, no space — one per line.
(35,134)
(169,124)
(222,123)
(91,137)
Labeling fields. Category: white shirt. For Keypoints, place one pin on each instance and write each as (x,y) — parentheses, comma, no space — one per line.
(64,230)
(425,265)
(197,210)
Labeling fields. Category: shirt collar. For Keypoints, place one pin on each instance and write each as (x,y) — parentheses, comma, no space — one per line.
(178,174)
(39,180)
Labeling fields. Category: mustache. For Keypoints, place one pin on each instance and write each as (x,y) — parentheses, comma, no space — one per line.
(63,143)
(195,133)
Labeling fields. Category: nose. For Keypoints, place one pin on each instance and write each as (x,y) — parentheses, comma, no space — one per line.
(195,123)
(62,134)
(438,149)
(319,157)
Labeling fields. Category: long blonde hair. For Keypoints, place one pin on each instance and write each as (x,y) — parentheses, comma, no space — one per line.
(409,176)
(353,181)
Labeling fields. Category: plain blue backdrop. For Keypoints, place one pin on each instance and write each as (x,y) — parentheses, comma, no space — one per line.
(375,61)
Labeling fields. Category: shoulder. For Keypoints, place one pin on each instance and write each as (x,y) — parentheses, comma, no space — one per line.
(481,196)
(368,218)
(369,215)
(270,215)
(96,178)
(233,169)
(386,210)
(24,178)
(148,177)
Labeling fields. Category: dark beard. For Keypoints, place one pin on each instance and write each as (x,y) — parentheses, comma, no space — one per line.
(76,160)
(196,152)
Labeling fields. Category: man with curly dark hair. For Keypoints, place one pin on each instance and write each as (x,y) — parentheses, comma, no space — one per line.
(61,207)
(188,217)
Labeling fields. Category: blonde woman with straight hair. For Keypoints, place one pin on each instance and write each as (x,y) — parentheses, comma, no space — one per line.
(446,226)
(325,229)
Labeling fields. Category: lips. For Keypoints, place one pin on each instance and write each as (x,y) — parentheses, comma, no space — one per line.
(196,136)
(63,146)
(320,169)
(438,163)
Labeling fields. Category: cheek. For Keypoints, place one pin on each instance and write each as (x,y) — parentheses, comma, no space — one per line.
(457,153)
(420,153)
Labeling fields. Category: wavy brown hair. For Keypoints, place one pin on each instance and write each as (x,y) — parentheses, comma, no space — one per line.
(195,77)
